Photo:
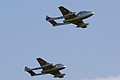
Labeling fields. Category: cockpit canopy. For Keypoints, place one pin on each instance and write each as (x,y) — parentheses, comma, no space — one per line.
(58,65)
(82,12)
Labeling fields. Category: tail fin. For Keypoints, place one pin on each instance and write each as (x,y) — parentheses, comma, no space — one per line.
(47,18)
(30,71)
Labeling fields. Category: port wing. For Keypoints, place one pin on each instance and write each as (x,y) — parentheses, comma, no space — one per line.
(66,12)
(54,23)
(44,64)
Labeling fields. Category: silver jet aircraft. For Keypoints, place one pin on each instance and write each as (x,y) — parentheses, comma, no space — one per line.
(47,68)
(71,17)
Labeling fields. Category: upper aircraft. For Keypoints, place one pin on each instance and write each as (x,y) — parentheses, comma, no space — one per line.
(47,68)
(71,17)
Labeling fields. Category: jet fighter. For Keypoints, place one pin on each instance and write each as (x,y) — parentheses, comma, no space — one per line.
(47,68)
(71,18)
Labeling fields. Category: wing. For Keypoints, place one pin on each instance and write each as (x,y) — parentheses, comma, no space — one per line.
(65,11)
(80,23)
(44,64)
(57,74)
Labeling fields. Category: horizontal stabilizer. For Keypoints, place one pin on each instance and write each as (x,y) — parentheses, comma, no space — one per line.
(30,71)
(36,68)
(54,23)
(57,24)
(53,18)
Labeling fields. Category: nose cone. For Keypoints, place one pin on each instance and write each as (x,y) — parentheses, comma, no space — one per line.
(92,12)
(64,66)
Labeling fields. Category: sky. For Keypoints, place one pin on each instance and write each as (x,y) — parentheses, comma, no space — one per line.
(89,54)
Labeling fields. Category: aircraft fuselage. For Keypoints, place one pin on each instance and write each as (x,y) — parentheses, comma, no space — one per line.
(81,15)
(56,68)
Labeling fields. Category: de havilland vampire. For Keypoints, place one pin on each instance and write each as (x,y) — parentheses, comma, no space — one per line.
(47,68)
(71,17)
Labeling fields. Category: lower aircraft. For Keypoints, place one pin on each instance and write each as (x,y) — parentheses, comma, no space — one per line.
(71,18)
(47,68)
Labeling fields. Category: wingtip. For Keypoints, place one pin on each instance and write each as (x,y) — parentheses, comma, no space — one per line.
(38,58)
(60,6)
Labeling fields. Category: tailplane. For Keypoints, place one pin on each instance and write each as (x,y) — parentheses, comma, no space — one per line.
(53,22)
(31,72)
(53,18)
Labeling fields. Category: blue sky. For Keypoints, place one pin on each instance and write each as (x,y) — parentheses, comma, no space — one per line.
(91,53)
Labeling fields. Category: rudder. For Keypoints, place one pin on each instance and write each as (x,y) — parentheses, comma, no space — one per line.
(30,71)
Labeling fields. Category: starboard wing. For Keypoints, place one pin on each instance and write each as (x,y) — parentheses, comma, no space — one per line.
(57,73)
(80,23)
